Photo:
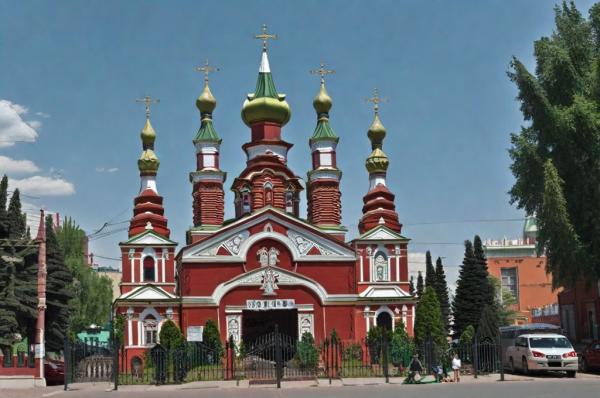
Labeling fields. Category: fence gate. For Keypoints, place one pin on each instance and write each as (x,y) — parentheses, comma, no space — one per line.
(274,357)
(88,362)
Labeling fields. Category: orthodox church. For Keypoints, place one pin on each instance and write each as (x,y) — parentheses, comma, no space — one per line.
(266,267)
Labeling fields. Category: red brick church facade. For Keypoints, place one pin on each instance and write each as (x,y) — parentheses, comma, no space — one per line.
(267,266)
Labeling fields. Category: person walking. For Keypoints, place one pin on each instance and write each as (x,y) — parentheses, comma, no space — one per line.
(456,365)
(415,368)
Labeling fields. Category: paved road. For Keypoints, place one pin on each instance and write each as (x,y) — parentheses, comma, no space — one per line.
(548,388)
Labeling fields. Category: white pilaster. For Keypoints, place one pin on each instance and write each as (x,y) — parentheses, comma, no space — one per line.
(129,332)
(362,276)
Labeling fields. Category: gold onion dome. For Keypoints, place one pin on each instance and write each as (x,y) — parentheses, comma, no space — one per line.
(148,161)
(206,102)
(265,104)
(376,132)
(377,162)
(322,102)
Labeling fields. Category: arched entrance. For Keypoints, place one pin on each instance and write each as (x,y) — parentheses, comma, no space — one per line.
(384,321)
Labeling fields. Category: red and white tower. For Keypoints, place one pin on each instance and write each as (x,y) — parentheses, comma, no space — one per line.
(208,195)
(323,193)
(266,180)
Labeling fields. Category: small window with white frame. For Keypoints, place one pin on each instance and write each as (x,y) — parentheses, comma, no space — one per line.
(381,268)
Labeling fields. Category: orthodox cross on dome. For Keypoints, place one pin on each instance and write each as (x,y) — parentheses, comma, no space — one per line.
(147,100)
(264,36)
(322,71)
(376,100)
(206,69)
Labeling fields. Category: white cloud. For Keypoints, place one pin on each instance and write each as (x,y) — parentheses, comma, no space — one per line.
(42,114)
(12,126)
(13,166)
(107,169)
(43,186)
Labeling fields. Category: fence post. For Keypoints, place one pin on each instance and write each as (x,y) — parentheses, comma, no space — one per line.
(116,364)
(384,352)
(500,356)
(278,359)
(475,356)
(67,363)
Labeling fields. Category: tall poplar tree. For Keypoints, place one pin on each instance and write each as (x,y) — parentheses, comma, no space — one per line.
(555,155)
(411,286)
(3,214)
(441,289)
(429,270)
(428,319)
(58,291)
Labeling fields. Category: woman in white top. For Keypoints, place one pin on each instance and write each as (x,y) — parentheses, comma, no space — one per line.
(456,367)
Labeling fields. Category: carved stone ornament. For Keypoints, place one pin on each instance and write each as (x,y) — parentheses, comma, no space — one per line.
(234,243)
(269,282)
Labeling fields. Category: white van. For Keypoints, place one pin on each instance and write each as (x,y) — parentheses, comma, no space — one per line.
(542,352)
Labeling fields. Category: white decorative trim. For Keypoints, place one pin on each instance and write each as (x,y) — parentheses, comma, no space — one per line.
(148,182)
(384,291)
(376,179)
(264,63)
(234,328)
(257,150)
(129,331)
(233,244)
(362,272)
(305,324)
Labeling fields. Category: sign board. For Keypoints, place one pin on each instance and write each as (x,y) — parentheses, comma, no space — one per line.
(194,333)
(264,305)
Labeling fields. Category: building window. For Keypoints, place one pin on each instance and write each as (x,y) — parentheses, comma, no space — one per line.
(381,268)
(510,281)
(289,201)
(148,269)
(268,192)
(246,201)
(150,331)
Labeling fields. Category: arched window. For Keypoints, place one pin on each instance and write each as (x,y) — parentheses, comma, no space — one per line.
(381,268)
(246,201)
(268,193)
(289,201)
(150,330)
(384,321)
(148,269)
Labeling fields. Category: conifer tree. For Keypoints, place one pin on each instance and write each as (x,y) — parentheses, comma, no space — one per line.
(420,286)
(411,286)
(429,270)
(15,217)
(466,306)
(441,289)
(58,291)
(486,290)
(3,214)
(488,323)
(428,319)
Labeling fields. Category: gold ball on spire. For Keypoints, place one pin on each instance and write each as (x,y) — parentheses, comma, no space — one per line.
(206,102)
(148,135)
(376,132)
(322,102)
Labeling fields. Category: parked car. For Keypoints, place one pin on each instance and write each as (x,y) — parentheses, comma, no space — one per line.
(590,357)
(543,352)
(54,371)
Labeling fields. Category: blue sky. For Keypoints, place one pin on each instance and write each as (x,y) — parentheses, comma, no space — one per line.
(71,71)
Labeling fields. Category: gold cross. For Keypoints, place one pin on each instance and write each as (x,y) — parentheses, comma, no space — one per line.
(206,69)
(147,100)
(322,71)
(376,100)
(264,36)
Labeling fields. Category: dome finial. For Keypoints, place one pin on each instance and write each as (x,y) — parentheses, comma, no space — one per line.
(376,131)
(148,162)
(322,102)
(206,102)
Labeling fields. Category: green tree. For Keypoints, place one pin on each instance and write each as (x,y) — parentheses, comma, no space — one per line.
(429,270)
(428,319)
(170,335)
(3,214)
(17,227)
(485,291)
(441,290)
(212,338)
(119,329)
(468,303)
(58,291)
(420,286)
(555,155)
(86,282)
(466,337)
(307,355)
(488,323)
(505,303)
(411,286)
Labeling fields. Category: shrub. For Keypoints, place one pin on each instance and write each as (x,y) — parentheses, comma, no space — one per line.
(307,355)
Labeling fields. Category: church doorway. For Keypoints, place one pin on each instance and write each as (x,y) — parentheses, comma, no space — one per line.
(384,321)
(259,323)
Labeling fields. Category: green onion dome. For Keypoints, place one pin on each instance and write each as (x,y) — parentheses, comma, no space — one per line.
(376,133)
(377,162)
(265,104)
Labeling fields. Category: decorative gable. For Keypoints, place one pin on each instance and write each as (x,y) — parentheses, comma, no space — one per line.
(147,292)
(149,238)
(381,232)
(384,292)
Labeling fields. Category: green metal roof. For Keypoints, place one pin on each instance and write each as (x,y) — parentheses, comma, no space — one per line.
(265,87)
(207,132)
(324,132)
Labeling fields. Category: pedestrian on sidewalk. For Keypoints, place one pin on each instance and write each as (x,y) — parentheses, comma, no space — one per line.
(456,365)
(415,368)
